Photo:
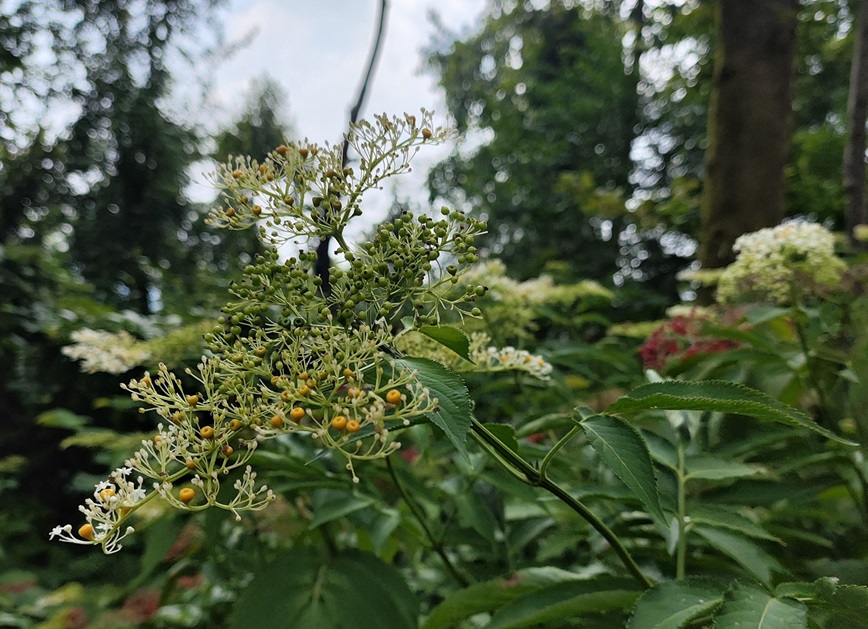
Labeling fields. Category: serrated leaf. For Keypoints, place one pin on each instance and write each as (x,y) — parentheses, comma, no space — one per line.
(672,604)
(749,555)
(565,600)
(453,399)
(713,468)
(748,606)
(450,337)
(720,396)
(846,607)
(491,595)
(351,589)
(624,452)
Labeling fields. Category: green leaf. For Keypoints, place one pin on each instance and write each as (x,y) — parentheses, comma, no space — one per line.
(748,606)
(448,336)
(672,604)
(624,451)
(719,517)
(63,418)
(713,468)
(720,396)
(846,607)
(300,589)
(749,555)
(565,600)
(453,399)
(331,504)
(490,595)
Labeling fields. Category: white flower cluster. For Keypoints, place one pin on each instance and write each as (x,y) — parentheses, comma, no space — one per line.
(105,513)
(512,359)
(774,264)
(110,352)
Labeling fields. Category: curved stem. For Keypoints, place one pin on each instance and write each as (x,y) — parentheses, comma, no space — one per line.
(436,545)
(560,444)
(521,468)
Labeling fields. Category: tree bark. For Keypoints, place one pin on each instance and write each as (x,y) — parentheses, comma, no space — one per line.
(857,116)
(749,123)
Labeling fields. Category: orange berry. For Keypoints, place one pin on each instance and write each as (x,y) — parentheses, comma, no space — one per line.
(106,493)
(339,422)
(304,390)
(303,375)
(277,421)
(235,425)
(86,531)
(297,413)
(190,464)
(230,212)
(207,432)
(354,392)
(281,150)
(393,396)
(353,426)
(237,174)
(286,396)
(186,495)
(227,451)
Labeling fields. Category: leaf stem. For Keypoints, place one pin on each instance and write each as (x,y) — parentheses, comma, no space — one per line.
(525,472)
(560,444)
(681,548)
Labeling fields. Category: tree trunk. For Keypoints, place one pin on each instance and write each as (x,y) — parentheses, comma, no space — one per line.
(857,115)
(749,123)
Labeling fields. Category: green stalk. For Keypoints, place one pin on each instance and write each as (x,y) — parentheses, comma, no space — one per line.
(525,472)
(681,548)
(560,444)
(436,545)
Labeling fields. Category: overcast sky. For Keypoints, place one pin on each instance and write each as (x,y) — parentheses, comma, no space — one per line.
(318,50)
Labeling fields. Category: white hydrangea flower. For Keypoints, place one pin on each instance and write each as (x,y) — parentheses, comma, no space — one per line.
(109,352)
(774,263)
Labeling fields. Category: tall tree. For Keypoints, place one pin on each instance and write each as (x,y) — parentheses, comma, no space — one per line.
(749,123)
(547,103)
(857,116)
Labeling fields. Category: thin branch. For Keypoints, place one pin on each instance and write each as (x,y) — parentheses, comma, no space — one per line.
(323,262)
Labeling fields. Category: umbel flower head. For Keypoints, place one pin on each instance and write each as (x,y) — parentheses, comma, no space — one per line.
(775,264)
(290,354)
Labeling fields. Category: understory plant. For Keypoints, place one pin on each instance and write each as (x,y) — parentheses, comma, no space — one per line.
(394,453)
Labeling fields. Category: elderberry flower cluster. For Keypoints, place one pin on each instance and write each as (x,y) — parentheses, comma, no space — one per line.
(795,259)
(312,354)
(110,352)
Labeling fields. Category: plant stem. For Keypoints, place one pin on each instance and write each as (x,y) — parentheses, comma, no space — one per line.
(528,474)
(436,545)
(560,444)
(681,548)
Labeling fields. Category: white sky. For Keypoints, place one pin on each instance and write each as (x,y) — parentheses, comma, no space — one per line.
(318,51)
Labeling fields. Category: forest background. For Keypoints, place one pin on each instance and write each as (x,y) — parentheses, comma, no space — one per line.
(606,143)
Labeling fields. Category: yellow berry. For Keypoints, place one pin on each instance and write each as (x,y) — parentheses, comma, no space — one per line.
(177,416)
(303,375)
(227,451)
(354,392)
(304,390)
(235,425)
(256,210)
(106,493)
(297,413)
(353,426)
(277,421)
(86,531)
(230,212)
(339,422)
(349,374)
(207,432)
(192,400)
(286,396)
(146,382)
(237,174)
(190,464)
(186,495)
(393,396)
